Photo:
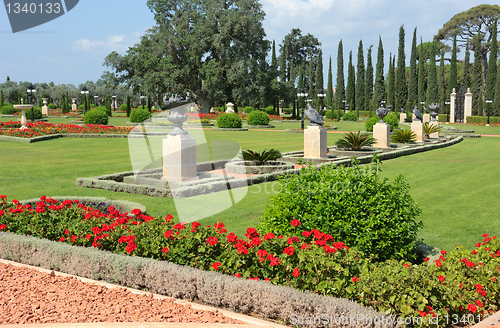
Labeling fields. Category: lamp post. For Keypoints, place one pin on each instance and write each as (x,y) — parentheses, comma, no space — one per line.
(321,95)
(488,101)
(84,92)
(142,102)
(344,101)
(382,103)
(447,103)
(303,95)
(95,100)
(114,102)
(422,102)
(31,90)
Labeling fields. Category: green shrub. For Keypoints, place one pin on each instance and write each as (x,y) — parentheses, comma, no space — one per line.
(430,128)
(331,115)
(139,115)
(95,117)
(229,121)
(442,118)
(482,119)
(52,106)
(404,136)
(37,113)
(355,141)
(350,116)
(390,119)
(261,158)
(81,106)
(8,110)
(123,107)
(247,110)
(287,110)
(353,204)
(102,108)
(270,110)
(258,117)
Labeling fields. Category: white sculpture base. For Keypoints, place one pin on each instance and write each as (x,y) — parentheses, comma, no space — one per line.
(23,121)
(74,107)
(435,134)
(402,117)
(427,118)
(179,158)
(45,110)
(381,133)
(418,128)
(315,142)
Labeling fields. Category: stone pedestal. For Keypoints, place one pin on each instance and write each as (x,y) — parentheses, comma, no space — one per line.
(45,109)
(435,134)
(402,117)
(179,158)
(381,134)
(453,95)
(427,118)
(468,105)
(74,106)
(23,109)
(418,128)
(315,142)
(230,108)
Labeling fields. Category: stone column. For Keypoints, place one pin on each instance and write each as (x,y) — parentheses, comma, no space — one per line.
(427,118)
(74,106)
(45,109)
(435,134)
(453,96)
(315,142)
(418,128)
(381,133)
(179,158)
(230,107)
(468,105)
(402,117)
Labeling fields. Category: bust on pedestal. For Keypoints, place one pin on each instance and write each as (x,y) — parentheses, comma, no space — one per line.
(417,126)
(382,130)
(315,137)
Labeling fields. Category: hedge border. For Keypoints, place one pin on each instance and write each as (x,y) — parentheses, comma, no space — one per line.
(164,278)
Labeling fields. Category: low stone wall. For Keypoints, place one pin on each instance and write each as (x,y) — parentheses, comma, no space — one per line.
(245,167)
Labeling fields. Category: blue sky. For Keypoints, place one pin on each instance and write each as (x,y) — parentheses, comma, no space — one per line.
(71,48)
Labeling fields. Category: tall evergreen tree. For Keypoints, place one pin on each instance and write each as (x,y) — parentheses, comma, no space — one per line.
(413,75)
(273,78)
(340,88)
(350,92)
(421,75)
(496,99)
(440,84)
(453,80)
(282,69)
(329,89)
(274,62)
(360,80)
(369,79)
(491,76)
(466,78)
(391,82)
(477,80)
(1,98)
(432,86)
(401,89)
(319,73)
(379,92)
(129,107)
(310,80)
(301,88)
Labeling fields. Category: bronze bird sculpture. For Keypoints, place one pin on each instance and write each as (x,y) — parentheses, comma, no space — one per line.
(418,116)
(313,116)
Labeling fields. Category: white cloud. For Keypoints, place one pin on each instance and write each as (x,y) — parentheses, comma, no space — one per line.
(118,43)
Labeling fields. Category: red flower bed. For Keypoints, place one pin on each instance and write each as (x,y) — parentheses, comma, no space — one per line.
(43,128)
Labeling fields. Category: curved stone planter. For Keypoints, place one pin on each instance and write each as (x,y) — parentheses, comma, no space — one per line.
(240,167)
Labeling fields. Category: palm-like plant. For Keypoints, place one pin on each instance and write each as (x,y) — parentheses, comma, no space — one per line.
(430,129)
(355,140)
(404,136)
(261,158)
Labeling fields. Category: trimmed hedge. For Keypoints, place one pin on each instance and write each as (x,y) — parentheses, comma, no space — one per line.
(349,116)
(96,116)
(258,117)
(482,119)
(9,110)
(390,119)
(229,121)
(139,115)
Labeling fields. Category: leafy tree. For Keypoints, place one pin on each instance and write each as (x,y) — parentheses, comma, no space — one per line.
(453,80)
(391,82)
(492,64)
(474,26)
(360,80)
(350,92)
(421,76)
(432,86)
(299,49)
(477,80)
(379,92)
(413,74)
(206,48)
(329,89)
(401,89)
(369,79)
(340,88)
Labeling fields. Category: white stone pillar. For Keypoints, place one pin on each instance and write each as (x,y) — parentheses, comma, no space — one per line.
(435,134)
(468,105)
(179,158)
(74,106)
(453,96)
(45,109)
(402,117)
(381,133)
(427,118)
(315,142)
(418,128)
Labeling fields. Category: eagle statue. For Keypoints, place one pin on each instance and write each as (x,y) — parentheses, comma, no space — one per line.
(313,116)
(418,116)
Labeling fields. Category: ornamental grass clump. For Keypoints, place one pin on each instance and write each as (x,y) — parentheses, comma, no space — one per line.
(261,158)
(404,136)
(353,204)
(355,141)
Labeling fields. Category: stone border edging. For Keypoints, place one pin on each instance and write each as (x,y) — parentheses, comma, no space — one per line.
(229,129)
(161,277)
(269,126)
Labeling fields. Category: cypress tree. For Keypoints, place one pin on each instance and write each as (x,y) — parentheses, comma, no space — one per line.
(319,73)
(293,75)
(401,89)
(108,105)
(282,69)
(440,84)
(329,89)
(421,76)
(492,65)
(129,108)
(432,86)
(310,80)
(453,83)
(391,82)
(301,88)
(340,88)
(477,80)
(369,79)
(360,80)
(496,99)
(150,105)
(351,84)
(413,74)
(379,92)
(274,62)
(466,78)
(1,98)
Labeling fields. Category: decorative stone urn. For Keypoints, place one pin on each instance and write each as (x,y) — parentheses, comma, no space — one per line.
(45,109)
(23,115)
(230,107)
(74,106)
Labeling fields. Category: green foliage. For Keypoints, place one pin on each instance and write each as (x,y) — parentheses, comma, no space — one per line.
(261,158)
(37,113)
(413,76)
(379,92)
(353,204)
(128,108)
(270,110)
(401,89)
(95,117)
(139,115)
(52,106)
(340,90)
(258,117)
(430,128)
(432,95)
(229,121)
(247,110)
(350,116)
(390,119)
(9,110)
(123,107)
(483,119)
(81,106)
(360,79)
(355,141)
(404,136)
(369,79)
(350,91)
(331,115)
(107,104)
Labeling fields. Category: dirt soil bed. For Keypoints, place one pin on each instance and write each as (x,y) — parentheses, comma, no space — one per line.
(28,296)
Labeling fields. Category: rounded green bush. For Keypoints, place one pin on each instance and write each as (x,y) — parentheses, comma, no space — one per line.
(247,110)
(229,121)
(390,119)
(96,117)
(8,110)
(331,115)
(258,117)
(52,106)
(139,115)
(350,116)
(270,110)
(123,107)
(353,204)
(37,113)
(81,106)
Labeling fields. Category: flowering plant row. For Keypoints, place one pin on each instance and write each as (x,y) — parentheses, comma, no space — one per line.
(43,128)
(459,284)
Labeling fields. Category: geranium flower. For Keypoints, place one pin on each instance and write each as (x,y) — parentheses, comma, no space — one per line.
(422,313)
(479,303)
(216,265)
(288,251)
(472,308)
(212,240)
(296,272)
(295,223)
(2,226)
(269,236)
(441,278)
(355,279)
(165,250)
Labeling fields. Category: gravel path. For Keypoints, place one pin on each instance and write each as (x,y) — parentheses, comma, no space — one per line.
(28,296)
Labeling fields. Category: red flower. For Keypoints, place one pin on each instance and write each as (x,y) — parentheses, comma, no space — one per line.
(212,241)
(406,265)
(179,226)
(216,265)
(61,239)
(168,233)
(474,252)
(288,250)
(231,238)
(478,302)
(269,236)
(478,245)
(485,235)
(304,245)
(130,247)
(329,249)
(306,233)
(261,252)
(355,279)
(320,242)
(296,272)
(443,252)
(292,240)
(136,211)
(73,238)
(252,233)
(165,250)
(472,308)
(3,196)
(3,226)
(422,313)
(168,218)
(275,261)
(66,231)
(441,278)
(438,263)
(237,275)
(255,241)
(295,223)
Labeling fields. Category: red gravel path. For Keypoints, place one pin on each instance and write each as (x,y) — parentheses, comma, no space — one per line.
(29,296)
